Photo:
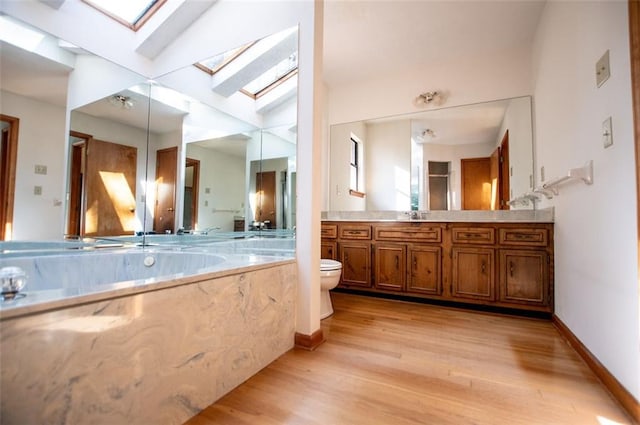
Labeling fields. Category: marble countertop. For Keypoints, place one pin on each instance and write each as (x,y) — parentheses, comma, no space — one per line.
(501,216)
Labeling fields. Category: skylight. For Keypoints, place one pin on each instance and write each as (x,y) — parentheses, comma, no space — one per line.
(256,68)
(132,13)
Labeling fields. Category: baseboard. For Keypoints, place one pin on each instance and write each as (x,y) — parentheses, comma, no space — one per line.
(309,342)
(620,393)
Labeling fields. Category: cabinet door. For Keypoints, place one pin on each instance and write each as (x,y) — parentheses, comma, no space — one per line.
(390,266)
(356,263)
(523,276)
(329,250)
(425,270)
(473,273)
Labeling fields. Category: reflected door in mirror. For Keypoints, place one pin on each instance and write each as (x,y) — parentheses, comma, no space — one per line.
(8,152)
(110,182)
(166,166)
(266,199)
(476,183)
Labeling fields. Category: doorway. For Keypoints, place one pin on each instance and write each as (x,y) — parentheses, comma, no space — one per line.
(8,157)
(190,207)
(164,217)
(266,199)
(476,183)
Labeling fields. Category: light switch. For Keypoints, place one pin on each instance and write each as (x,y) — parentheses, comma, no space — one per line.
(607,133)
(602,69)
(37,190)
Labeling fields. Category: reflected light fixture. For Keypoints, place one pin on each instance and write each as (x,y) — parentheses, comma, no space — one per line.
(121,101)
(429,98)
(428,133)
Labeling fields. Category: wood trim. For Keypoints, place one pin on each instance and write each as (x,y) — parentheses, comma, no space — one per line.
(11,156)
(195,163)
(309,342)
(135,26)
(624,397)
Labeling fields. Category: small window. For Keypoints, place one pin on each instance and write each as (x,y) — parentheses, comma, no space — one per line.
(131,13)
(355,169)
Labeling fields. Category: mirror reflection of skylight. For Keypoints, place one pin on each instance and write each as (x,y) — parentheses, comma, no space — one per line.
(272,75)
(129,11)
(215,63)
(19,35)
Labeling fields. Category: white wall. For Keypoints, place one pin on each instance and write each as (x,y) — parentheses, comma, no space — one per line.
(517,120)
(224,176)
(41,141)
(388,165)
(596,269)
(338,166)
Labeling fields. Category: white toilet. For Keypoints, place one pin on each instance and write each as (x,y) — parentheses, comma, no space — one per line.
(330,271)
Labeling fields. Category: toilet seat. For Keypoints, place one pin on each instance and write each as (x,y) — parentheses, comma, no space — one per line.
(327,265)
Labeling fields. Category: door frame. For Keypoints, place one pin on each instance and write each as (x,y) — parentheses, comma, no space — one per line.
(9,184)
(195,163)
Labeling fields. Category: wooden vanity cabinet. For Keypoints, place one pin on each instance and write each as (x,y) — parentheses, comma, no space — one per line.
(473,262)
(328,242)
(498,264)
(411,261)
(524,266)
(354,252)
(390,266)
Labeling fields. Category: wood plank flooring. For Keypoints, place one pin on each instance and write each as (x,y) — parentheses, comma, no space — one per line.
(393,362)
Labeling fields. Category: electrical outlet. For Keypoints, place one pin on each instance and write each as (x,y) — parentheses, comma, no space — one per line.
(602,69)
(607,133)
(40,169)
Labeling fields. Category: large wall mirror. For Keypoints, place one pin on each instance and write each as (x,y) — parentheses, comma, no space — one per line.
(104,152)
(471,157)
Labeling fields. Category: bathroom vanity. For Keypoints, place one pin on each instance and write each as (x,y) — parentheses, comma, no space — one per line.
(497,259)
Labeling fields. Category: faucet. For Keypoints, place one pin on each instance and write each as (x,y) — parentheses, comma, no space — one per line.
(413,214)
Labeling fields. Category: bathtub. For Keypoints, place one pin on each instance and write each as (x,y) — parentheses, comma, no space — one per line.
(154,337)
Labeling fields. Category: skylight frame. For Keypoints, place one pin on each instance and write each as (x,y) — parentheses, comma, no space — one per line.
(292,72)
(211,71)
(152,7)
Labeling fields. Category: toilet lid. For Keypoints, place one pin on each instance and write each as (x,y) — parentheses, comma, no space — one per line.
(326,264)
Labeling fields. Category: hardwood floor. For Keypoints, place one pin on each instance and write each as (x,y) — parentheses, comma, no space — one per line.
(392,362)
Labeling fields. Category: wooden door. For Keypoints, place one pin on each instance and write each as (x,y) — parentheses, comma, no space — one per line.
(266,198)
(523,276)
(356,263)
(191,190)
(390,266)
(164,217)
(494,178)
(505,173)
(473,274)
(476,183)
(8,155)
(425,271)
(110,184)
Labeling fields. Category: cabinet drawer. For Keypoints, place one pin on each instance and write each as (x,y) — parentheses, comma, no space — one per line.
(419,234)
(355,232)
(329,231)
(524,236)
(473,235)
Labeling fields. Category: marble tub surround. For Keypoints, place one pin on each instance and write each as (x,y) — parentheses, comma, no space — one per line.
(156,357)
(499,216)
(55,281)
